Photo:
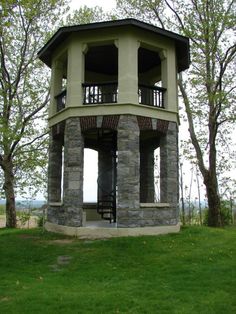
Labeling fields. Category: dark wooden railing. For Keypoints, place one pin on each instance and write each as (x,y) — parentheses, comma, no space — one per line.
(151,95)
(61,100)
(100,93)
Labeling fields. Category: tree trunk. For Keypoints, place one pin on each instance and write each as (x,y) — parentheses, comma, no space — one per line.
(214,219)
(210,177)
(182,194)
(9,194)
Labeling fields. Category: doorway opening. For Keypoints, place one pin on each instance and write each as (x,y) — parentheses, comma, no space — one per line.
(101,173)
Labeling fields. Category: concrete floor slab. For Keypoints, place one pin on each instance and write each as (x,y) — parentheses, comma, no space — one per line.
(103,229)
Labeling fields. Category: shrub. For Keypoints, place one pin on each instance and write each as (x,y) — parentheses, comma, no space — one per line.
(225,214)
(41,221)
(24,217)
(2,209)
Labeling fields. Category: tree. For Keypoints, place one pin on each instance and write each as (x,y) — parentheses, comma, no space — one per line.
(208,88)
(24,93)
(85,15)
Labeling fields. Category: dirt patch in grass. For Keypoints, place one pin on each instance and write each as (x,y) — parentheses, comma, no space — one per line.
(61,241)
(32,223)
(27,236)
(5,299)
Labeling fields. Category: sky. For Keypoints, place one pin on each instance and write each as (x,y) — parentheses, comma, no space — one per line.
(90,156)
(105,4)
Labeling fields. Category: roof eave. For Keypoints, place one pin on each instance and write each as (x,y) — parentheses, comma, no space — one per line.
(45,53)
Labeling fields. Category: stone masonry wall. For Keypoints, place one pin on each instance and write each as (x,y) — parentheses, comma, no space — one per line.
(127,169)
(54,169)
(129,211)
(73,174)
(169,178)
(54,176)
(70,213)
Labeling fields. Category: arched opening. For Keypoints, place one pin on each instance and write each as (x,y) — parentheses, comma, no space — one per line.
(157,187)
(100,173)
(90,175)
(62,173)
(149,166)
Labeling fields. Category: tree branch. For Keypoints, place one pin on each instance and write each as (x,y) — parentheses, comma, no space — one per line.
(25,121)
(6,82)
(1,160)
(176,14)
(29,143)
(224,63)
(158,17)
(22,51)
(191,126)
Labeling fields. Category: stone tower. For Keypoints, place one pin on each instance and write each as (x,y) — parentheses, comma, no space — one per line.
(114,89)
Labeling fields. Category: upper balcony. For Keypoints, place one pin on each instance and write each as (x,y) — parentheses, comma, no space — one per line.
(115,67)
(107,93)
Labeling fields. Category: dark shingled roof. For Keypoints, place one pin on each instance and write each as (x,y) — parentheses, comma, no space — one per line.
(181,42)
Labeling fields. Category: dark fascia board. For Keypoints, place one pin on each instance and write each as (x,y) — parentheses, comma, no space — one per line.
(181,42)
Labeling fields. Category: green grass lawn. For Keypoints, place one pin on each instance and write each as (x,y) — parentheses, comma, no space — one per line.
(190,272)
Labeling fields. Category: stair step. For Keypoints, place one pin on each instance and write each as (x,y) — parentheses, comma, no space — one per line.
(105,211)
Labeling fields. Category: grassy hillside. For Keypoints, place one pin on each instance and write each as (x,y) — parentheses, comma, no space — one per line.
(190,272)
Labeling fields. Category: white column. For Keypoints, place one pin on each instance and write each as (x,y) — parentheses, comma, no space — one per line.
(128,69)
(75,74)
(169,79)
(56,85)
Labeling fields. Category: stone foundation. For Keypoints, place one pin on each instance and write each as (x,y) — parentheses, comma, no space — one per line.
(134,171)
(91,232)
(148,215)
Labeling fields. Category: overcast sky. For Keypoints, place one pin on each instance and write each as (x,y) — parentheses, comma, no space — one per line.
(105,4)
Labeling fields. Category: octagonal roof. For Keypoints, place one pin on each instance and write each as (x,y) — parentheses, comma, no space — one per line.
(181,42)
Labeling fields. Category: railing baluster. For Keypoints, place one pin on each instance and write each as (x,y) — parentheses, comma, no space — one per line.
(151,95)
(99,93)
(107,93)
(61,100)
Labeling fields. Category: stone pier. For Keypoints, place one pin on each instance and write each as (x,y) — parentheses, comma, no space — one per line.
(134,166)
(128,187)
(69,210)
(73,173)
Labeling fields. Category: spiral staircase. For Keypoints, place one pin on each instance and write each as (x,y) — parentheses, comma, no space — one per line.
(106,182)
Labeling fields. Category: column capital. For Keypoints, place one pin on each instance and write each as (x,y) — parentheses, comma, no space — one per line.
(162,54)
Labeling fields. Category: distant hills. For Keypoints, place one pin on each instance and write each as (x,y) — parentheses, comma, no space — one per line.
(22,204)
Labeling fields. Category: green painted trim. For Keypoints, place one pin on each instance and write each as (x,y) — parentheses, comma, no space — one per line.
(114,109)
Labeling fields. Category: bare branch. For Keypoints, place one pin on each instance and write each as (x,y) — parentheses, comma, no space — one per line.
(224,63)
(22,51)
(29,143)
(25,121)
(191,126)
(33,113)
(176,14)
(224,21)
(6,81)
(158,16)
